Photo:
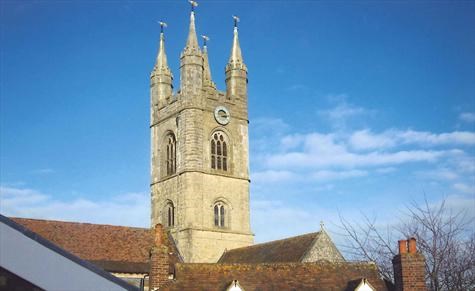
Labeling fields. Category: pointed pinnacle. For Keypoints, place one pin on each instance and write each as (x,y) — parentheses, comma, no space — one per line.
(161,64)
(192,41)
(236,56)
(207,81)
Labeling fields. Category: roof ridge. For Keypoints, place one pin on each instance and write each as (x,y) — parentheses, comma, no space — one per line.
(77,222)
(274,241)
(317,263)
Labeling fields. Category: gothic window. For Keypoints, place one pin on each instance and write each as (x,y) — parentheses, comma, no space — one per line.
(170,213)
(219,215)
(219,152)
(170,154)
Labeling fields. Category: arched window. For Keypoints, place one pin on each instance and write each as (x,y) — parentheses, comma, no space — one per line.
(170,213)
(170,154)
(219,215)
(219,152)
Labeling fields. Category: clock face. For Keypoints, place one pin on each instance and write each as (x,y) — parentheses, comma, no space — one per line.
(221,114)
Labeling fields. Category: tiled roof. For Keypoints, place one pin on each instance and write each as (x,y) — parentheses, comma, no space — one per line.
(279,251)
(281,276)
(123,266)
(113,248)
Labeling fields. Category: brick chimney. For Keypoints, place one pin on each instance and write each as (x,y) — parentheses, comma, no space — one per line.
(159,259)
(409,267)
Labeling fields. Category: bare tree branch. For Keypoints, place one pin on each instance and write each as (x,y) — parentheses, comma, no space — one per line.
(446,239)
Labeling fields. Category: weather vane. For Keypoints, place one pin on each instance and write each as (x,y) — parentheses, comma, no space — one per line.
(162,25)
(193,5)
(236,20)
(205,39)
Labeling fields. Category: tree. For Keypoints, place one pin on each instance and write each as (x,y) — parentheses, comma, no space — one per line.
(446,239)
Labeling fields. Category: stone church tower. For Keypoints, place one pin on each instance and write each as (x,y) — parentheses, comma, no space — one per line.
(200,153)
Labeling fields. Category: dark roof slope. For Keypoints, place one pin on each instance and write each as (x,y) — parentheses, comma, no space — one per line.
(283,276)
(13,223)
(279,251)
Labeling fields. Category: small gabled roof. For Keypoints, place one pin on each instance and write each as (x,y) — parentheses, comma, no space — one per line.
(311,247)
(235,286)
(291,249)
(364,285)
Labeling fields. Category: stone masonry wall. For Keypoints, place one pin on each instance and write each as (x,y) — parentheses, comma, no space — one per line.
(323,249)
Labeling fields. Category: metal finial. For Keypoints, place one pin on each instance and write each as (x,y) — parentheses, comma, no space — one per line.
(322,225)
(205,39)
(236,20)
(193,5)
(162,25)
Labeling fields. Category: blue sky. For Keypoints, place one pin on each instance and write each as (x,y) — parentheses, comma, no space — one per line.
(355,107)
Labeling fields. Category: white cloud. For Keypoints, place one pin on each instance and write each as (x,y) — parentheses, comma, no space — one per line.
(438,174)
(343,111)
(465,164)
(464,188)
(455,204)
(326,188)
(386,170)
(365,139)
(431,139)
(130,209)
(273,176)
(286,220)
(317,150)
(468,117)
(17,197)
(340,115)
(459,203)
(269,125)
(291,141)
(327,175)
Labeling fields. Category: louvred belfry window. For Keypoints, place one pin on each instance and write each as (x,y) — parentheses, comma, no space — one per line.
(219,152)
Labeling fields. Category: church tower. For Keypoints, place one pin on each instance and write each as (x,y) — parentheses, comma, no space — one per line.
(200,152)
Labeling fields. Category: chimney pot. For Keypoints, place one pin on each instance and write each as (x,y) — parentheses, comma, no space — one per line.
(409,268)
(402,246)
(412,245)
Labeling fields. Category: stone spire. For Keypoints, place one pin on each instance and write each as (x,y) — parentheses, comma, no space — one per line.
(207,80)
